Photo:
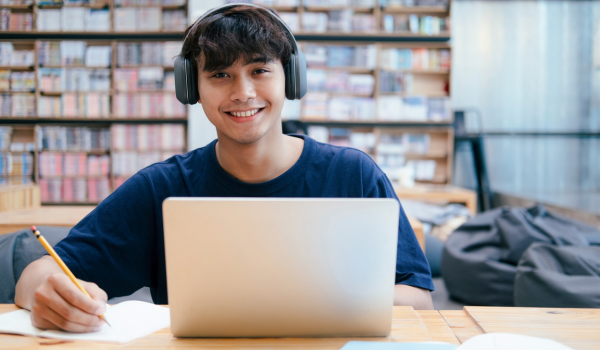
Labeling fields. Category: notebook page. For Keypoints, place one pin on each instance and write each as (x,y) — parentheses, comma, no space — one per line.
(508,341)
(129,320)
(18,322)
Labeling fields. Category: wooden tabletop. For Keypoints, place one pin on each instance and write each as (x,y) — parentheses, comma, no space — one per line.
(408,325)
(59,215)
(577,328)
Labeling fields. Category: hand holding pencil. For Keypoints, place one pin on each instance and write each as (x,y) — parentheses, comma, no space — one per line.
(62,265)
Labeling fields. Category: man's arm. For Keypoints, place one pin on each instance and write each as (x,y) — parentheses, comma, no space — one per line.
(54,300)
(418,298)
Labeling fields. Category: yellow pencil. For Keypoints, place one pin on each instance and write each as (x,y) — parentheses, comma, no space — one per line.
(62,265)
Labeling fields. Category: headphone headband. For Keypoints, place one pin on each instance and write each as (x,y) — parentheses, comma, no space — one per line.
(232,5)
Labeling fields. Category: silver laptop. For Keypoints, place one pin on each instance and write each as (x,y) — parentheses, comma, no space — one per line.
(280,267)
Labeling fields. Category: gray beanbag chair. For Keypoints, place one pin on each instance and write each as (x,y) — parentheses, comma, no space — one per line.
(19,249)
(551,276)
(480,258)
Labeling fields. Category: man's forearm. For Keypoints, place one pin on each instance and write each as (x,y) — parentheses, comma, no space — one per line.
(419,299)
(32,277)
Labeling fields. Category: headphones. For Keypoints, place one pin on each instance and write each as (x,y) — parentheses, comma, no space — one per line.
(186,77)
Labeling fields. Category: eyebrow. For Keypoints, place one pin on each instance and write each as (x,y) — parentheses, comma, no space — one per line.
(259,59)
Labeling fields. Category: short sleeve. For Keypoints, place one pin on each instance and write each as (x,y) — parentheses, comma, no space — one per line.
(115,245)
(412,267)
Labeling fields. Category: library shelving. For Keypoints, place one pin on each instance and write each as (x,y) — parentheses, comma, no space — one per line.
(403,80)
(82,93)
(94,16)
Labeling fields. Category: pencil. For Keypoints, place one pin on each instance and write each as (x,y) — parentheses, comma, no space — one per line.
(62,265)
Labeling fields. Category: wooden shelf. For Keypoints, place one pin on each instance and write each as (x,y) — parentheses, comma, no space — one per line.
(370,123)
(416,10)
(408,94)
(112,120)
(17,67)
(338,8)
(418,71)
(17,7)
(354,70)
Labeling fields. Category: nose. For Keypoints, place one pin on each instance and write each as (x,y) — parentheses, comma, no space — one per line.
(242,89)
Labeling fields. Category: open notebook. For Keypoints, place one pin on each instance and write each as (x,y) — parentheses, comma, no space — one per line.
(130,320)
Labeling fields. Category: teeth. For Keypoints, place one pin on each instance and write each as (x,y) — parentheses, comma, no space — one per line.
(245,114)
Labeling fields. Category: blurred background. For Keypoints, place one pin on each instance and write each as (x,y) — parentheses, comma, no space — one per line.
(467,106)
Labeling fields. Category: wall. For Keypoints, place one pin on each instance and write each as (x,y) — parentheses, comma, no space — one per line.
(530,66)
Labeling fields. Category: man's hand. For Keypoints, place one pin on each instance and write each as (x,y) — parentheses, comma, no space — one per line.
(54,300)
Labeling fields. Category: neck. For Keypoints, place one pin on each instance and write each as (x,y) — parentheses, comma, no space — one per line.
(259,161)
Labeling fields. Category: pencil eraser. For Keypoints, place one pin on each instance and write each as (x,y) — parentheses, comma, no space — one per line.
(33,229)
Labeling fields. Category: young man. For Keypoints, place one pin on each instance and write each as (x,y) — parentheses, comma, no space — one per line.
(119,247)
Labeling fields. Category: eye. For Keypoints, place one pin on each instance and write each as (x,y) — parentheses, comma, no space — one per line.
(219,75)
(260,71)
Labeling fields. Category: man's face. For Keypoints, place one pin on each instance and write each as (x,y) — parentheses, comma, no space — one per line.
(243,101)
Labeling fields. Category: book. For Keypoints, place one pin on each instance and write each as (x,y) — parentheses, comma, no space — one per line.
(63,138)
(129,320)
(98,56)
(97,20)
(49,20)
(73,19)
(291,20)
(174,20)
(22,105)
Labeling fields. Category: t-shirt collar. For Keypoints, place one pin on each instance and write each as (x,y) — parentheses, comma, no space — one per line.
(263,188)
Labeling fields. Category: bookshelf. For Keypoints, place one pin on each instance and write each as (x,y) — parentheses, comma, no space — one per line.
(405,101)
(94,16)
(84,93)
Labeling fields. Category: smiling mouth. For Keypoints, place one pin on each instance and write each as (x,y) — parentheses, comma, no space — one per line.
(246,113)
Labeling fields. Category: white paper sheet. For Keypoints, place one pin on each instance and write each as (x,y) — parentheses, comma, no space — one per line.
(508,341)
(129,320)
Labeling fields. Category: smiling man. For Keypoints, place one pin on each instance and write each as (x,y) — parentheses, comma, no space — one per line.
(239,55)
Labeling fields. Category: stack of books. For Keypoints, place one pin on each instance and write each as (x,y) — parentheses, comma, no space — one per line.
(11,57)
(392,151)
(174,20)
(426,25)
(73,19)
(16,164)
(364,141)
(413,3)
(15,22)
(291,19)
(360,56)
(147,53)
(49,53)
(149,19)
(64,138)
(17,81)
(137,146)
(414,108)
(415,59)
(21,105)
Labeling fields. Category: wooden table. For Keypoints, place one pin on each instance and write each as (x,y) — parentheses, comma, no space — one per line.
(577,328)
(440,194)
(67,215)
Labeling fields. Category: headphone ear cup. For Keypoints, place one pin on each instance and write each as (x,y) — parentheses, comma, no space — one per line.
(290,82)
(193,92)
(300,73)
(186,81)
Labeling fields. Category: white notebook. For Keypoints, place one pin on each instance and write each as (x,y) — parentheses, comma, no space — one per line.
(129,320)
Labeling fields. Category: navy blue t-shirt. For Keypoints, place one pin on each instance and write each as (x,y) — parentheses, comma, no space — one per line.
(120,246)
